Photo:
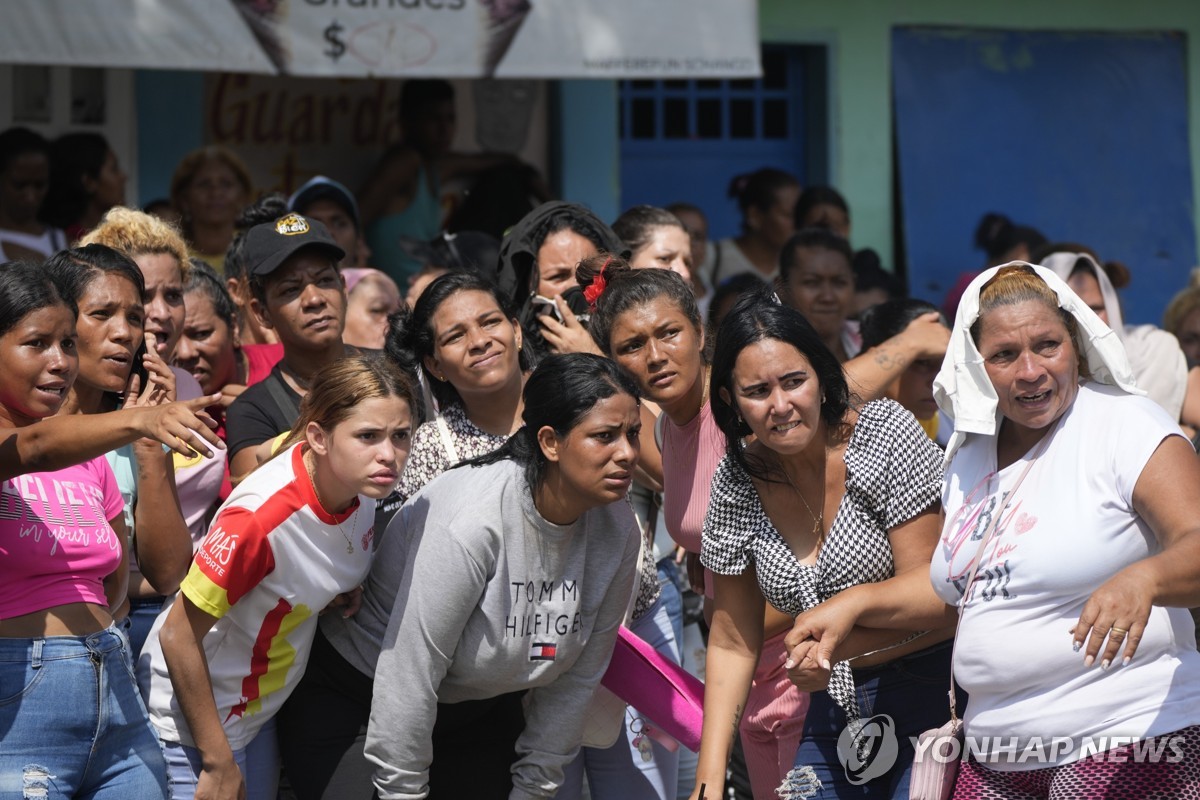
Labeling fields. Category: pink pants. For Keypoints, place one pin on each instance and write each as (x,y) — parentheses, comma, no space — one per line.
(773,722)
(1115,774)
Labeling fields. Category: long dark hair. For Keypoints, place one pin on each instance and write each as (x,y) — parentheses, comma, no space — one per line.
(559,393)
(755,318)
(26,287)
(418,336)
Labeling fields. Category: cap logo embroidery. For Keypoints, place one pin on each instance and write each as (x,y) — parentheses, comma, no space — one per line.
(291,225)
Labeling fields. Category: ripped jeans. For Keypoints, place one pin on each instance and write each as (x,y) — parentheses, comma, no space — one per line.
(911,690)
(72,722)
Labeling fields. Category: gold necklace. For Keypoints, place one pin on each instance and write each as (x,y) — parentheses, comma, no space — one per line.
(313,480)
(818,519)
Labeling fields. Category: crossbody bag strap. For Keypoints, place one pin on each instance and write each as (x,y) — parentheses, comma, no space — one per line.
(279,393)
(987,537)
(447,440)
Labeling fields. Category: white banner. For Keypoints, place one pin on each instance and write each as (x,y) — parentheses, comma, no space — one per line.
(393,38)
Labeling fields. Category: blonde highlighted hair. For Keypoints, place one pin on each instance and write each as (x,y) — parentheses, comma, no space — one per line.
(1018,283)
(136,233)
(342,386)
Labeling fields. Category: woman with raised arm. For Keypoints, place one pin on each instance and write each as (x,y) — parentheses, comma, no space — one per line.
(296,537)
(73,720)
(111,342)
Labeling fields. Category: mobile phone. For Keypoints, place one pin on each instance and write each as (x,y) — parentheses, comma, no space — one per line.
(544,306)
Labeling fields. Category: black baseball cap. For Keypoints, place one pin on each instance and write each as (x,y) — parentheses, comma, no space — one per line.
(270,244)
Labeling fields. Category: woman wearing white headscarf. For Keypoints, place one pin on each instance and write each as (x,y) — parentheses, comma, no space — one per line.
(1159,365)
(1076,625)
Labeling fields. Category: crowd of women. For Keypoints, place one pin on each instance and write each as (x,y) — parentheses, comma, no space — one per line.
(304,548)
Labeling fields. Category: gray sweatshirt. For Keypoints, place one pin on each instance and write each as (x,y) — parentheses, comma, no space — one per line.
(489,598)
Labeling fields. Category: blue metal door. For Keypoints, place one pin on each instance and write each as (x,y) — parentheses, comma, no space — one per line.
(685,140)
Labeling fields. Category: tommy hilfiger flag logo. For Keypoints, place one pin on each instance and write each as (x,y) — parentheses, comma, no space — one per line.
(542,651)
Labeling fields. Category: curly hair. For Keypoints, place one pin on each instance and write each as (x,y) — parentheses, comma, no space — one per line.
(136,233)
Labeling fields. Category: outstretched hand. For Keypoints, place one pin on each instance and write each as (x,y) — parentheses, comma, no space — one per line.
(182,425)
(1114,619)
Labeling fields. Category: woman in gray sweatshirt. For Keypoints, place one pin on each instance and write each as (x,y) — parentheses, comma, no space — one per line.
(497,595)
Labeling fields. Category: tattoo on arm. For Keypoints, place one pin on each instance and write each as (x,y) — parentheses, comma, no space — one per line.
(887,360)
(737,718)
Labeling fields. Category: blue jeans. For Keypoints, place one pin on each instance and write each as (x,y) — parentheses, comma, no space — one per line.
(258,761)
(670,578)
(142,613)
(619,771)
(911,690)
(72,722)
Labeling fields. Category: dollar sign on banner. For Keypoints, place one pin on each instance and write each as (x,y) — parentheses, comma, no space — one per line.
(337,47)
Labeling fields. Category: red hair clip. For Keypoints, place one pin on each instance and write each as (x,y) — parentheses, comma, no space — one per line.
(596,287)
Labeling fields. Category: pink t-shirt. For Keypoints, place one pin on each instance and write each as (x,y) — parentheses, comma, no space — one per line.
(56,546)
(690,455)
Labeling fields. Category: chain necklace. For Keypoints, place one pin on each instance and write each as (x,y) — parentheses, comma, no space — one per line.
(818,519)
(354,519)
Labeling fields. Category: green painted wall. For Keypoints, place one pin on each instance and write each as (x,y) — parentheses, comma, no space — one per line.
(858,34)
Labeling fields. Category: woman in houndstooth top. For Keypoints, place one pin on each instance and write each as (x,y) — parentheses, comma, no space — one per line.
(825,496)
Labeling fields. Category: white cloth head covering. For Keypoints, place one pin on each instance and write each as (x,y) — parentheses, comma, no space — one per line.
(962,388)
(1063,264)
(1158,363)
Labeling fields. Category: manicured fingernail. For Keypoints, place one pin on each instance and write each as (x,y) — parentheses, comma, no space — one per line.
(789,664)
(1087,662)
(1104,664)
(1075,645)
(825,663)
(1125,663)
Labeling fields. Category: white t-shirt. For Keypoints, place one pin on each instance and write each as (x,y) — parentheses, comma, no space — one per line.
(272,561)
(48,242)
(1070,527)
(730,260)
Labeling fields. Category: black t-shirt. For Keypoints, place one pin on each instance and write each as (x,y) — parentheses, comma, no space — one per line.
(256,416)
